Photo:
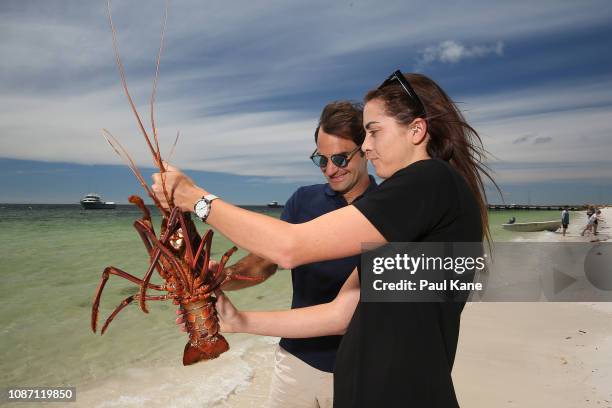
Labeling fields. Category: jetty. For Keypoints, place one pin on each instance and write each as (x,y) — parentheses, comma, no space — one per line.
(535,207)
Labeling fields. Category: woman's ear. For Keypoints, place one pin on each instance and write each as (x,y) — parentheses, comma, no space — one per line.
(418,131)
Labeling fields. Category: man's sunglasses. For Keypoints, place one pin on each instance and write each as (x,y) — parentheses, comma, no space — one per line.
(412,95)
(340,160)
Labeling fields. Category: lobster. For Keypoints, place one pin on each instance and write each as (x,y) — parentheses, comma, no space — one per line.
(180,255)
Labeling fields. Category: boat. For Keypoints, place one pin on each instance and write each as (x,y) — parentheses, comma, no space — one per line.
(533,226)
(274,204)
(93,201)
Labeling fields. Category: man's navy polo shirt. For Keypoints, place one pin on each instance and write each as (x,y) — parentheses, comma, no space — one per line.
(318,282)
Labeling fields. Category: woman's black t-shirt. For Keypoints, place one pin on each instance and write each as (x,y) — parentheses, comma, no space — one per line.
(402,354)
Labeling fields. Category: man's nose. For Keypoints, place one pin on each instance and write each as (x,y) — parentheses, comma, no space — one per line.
(330,169)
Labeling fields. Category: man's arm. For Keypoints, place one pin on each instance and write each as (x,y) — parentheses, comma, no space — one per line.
(248,271)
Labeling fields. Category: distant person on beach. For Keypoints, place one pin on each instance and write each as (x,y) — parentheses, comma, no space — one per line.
(565,219)
(393,354)
(596,222)
(303,370)
(591,223)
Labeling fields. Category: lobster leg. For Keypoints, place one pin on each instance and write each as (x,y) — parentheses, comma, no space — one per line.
(206,239)
(146,214)
(159,248)
(146,234)
(123,304)
(188,249)
(105,275)
(144,227)
(219,277)
(166,252)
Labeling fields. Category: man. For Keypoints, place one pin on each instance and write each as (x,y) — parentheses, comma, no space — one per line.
(565,219)
(303,372)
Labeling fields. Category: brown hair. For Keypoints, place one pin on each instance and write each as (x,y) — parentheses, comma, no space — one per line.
(343,119)
(451,138)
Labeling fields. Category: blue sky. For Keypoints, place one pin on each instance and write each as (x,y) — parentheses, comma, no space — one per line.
(244,82)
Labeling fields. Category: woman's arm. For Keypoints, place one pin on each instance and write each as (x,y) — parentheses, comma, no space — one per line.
(320,320)
(334,235)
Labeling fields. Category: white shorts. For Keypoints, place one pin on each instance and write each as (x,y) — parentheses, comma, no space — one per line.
(297,384)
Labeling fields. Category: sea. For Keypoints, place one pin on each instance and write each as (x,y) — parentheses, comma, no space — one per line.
(51,261)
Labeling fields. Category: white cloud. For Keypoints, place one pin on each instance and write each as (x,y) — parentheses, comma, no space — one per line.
(452,52)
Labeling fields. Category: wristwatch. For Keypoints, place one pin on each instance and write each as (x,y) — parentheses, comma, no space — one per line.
(202,206)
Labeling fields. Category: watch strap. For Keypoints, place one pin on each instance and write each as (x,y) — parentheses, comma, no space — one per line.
(210,197)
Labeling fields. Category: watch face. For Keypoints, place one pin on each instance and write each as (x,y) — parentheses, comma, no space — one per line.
(201,208)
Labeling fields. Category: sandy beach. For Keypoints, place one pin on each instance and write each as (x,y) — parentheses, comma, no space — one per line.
(538,354)
(516,354)
(535,355)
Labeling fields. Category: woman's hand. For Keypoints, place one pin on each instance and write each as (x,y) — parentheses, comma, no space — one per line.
(180,320)
(231,319)
(180,188)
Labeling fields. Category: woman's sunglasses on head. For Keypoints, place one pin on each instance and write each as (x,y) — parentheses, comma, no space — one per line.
(397,76)
(339,159)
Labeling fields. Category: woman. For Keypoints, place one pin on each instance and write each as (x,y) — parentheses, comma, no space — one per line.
(392,354)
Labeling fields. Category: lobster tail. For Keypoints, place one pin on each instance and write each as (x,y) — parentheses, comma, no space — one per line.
(205,342)
(209,348)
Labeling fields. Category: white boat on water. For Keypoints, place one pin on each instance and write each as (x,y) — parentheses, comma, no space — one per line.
(274,204)
(92,201)
(533,226)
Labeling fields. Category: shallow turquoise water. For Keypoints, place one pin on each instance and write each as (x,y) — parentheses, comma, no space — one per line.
(51,260)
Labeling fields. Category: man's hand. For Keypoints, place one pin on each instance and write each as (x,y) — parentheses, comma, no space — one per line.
(249,271)
(180,188)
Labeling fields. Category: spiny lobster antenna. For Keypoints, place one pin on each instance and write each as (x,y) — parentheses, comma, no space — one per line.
(121,152)
(154,91)
(158,158)
(155,151)
(125,87)
(173,146)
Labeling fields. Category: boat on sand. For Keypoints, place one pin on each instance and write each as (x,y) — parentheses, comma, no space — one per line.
(533,226)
